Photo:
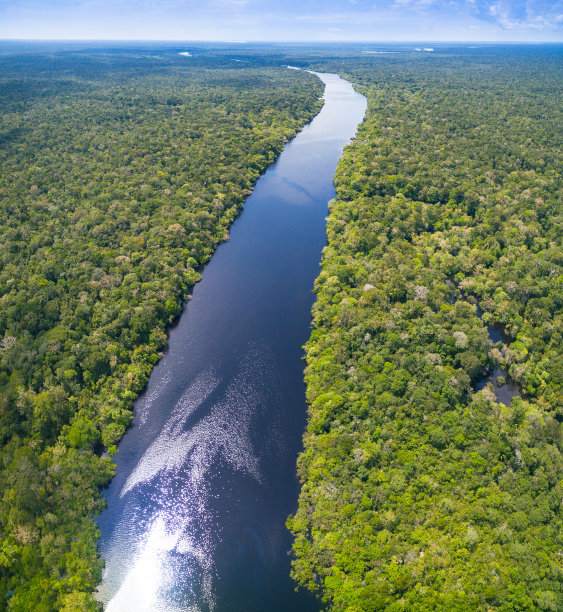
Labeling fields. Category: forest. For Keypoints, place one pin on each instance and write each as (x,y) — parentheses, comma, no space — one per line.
(419,493)
(120,173)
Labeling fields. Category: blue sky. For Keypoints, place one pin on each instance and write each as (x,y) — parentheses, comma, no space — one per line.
(285,20)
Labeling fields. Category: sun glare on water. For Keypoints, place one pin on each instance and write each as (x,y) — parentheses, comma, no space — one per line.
(140,589)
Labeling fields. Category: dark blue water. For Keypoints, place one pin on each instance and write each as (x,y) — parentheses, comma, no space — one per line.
(505,392)
(206,476)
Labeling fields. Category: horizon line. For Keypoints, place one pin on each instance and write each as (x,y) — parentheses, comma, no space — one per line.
(289,42)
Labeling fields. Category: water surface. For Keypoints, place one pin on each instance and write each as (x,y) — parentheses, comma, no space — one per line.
(206,476)
(501,384)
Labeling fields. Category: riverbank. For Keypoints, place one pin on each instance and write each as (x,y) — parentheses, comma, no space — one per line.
(418,493)
(120,173)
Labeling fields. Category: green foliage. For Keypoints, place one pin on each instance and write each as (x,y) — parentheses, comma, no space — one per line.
(417,493)
(119,176)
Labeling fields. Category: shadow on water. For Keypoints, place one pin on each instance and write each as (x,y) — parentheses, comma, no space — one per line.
(205,477)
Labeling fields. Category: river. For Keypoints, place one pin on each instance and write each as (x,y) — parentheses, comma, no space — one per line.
(206,475)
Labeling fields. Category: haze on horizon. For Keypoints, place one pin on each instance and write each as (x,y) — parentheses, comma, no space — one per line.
(288,21)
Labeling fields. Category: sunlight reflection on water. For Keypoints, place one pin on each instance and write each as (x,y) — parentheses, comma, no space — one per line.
(174,529)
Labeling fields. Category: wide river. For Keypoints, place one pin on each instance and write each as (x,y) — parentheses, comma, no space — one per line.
(206,475)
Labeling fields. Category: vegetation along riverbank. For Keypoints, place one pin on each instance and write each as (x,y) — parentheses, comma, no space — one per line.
(418,493)
(120,173)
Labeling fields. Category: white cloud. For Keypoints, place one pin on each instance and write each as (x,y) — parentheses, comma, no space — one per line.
(522,15)
(235,4)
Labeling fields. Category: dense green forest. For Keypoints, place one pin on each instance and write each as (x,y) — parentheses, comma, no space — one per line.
(121,170)
(120,173)
(417,492)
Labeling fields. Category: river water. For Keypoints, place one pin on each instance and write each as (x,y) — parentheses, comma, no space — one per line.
(206,475)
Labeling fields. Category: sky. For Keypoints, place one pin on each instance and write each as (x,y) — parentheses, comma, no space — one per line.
(285,20)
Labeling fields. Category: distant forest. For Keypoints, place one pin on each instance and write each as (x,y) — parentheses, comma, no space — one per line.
(120,173)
